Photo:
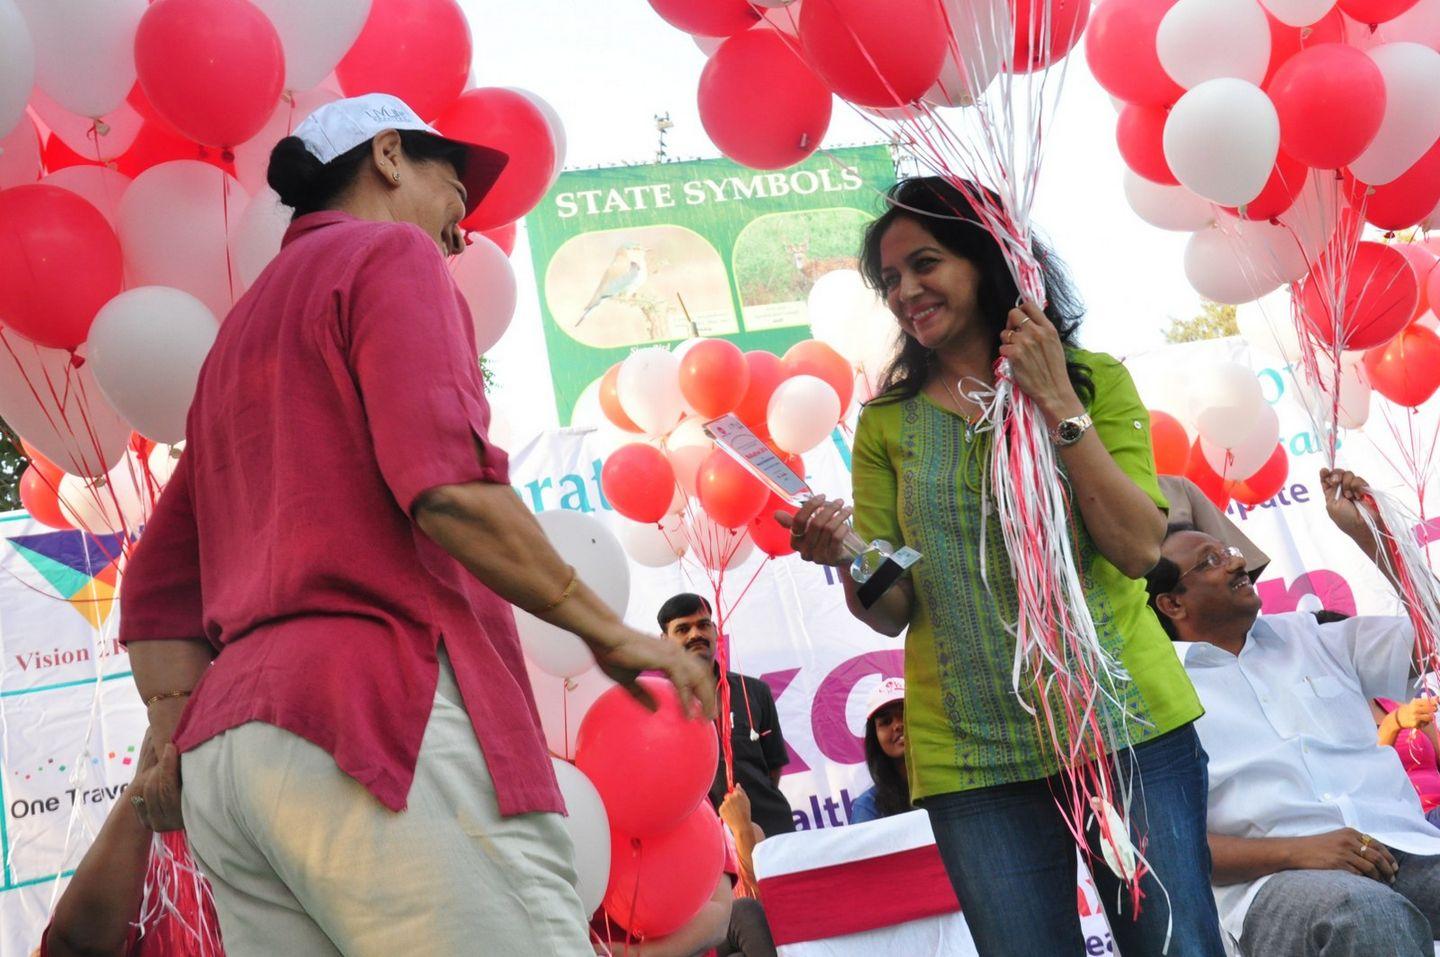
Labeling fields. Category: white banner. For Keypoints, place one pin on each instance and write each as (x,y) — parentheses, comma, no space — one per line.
(70,720)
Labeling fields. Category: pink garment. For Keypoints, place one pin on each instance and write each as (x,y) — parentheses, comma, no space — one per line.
(1417,755)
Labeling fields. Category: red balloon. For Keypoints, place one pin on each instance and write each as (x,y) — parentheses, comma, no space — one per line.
(1198,470)
(709,18)
(766,374)
(1265,483)
(1373,12)
(59,263)
(1403,202)
(1406,370)
(731,496)
(510,122)
(214,69)
(1066,23)
(38,497)
(1286,41)
(1423,262)
(1331,99)
(1140,134)
(1280,192)
(1171,443)
(1432,290)
(813,357)
(769,535)
(504,237)
(418,50)
(1380,295)
(650,767)
(610,401)
(757,66)
(1120,47)
(714,377)
(658,884)
(875,54)
(638,482)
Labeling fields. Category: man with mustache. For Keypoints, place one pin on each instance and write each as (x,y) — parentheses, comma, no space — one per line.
(1318,841)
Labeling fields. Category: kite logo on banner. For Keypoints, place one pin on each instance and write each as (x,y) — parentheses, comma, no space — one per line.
(81,568)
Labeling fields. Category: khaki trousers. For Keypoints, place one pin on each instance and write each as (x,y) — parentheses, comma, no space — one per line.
(304,861)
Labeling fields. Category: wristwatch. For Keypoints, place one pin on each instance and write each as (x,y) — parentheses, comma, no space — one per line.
(1069,431)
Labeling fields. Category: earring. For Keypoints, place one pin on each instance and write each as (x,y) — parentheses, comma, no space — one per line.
(396,176)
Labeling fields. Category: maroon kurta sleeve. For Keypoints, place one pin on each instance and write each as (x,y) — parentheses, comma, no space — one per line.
(161,593)
(411,349)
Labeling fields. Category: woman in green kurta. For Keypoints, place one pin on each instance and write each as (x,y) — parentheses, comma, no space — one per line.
(977,759)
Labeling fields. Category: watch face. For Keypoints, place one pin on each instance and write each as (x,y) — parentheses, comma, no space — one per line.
(1070,431)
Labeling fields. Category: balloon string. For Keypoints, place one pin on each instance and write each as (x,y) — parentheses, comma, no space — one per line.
(225,206)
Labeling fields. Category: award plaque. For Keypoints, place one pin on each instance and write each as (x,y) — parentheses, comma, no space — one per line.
(874,566)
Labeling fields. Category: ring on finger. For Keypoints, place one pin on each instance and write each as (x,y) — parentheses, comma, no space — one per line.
(1025,319)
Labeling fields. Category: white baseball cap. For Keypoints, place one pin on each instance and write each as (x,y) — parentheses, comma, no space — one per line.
(339,126)
(891,689)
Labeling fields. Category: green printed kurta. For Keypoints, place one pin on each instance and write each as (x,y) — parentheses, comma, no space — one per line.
(918,479)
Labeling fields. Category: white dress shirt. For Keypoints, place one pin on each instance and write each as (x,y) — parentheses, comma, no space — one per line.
(1291,737)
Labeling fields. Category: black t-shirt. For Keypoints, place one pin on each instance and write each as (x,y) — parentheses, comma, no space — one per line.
(755,759)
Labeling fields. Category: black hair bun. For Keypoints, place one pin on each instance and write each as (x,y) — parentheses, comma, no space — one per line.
(294,171)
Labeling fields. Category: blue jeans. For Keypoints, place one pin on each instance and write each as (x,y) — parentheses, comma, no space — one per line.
(1012,860)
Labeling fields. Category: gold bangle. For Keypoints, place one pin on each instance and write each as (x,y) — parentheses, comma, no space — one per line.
(165,697)
(564,595)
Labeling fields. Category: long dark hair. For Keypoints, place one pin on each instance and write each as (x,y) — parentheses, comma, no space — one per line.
(892,790)
(307,185)
(949,215)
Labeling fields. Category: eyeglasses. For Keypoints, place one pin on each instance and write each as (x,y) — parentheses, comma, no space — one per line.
(1213,560)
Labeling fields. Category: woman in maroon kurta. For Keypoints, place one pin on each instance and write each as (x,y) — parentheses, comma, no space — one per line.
(328,581)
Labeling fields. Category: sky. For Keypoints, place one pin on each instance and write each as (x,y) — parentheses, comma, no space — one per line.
(609,66)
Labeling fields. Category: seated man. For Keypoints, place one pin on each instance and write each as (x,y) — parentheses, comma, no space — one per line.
(1319,846)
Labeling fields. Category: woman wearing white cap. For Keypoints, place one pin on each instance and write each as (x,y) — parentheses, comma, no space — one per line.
(319,615)
(884,754)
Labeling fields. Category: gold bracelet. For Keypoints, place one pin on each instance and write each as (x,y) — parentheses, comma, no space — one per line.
(165,697)
(564,595)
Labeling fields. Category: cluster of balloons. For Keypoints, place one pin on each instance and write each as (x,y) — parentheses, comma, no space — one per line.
(677,490)
(1273,130)
(134,140)
(791,55)
(1236,452)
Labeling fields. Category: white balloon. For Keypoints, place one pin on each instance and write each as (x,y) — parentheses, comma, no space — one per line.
(1218,267)
(176,224)
(1412,112)
(252,158)
(976,50)
(1201,40)
(259,235)
(782,17)
(58,408)
(657,545)
(803,411)
(1318,395)
(1167,207)
(649,389)
(123,499)
(589,831)
(1246,456)
(562,702)
(85,51)
(1267,326)
(164,459)
(687,447)
(846,315)
(100,186)
(315,35)
(718,548)
(557,128)
(487,281)
(146,346)
(20,155)
(605,436)
(707,45)
(17,65)
(1221,140)
(1419,24)
(101,139)
(1275,250)
(1299,13)
(1316,213)
(1225,398)
(599,561)
(1433,220)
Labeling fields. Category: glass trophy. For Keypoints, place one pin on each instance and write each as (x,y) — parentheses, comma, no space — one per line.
(874,566)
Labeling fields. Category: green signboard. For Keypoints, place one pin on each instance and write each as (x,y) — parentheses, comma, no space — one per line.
(641,255)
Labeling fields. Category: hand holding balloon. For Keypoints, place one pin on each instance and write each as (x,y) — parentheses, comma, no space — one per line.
(1037,361)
